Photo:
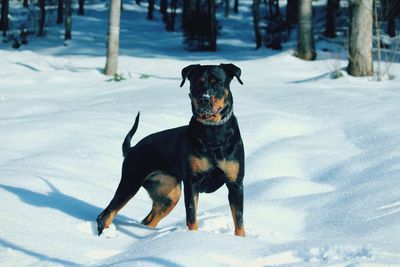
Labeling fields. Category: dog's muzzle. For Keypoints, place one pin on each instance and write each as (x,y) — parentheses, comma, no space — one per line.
(205,105)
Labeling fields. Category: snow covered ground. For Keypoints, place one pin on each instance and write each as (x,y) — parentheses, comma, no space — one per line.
(323,156)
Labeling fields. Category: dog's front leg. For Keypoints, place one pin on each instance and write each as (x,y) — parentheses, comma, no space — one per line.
(236,203)
(191,200)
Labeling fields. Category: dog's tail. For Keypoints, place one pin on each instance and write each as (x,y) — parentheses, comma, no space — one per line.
(126,145)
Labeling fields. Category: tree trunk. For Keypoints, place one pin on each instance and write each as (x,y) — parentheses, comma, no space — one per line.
(391,30)
(305,35)
(4,16)
(291,11)
(213,26)
(236,6)
(390,10)
(68,20)
(331,11)
(164,10)
(256,22)
(113,38)
(42,18)
(172,16)
(227,8)
(360,38)
(150,10)
(25,3)
(81,9)
(60,12)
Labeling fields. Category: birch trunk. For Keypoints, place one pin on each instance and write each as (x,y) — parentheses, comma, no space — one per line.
(360,38)
(113,38)
(305,35)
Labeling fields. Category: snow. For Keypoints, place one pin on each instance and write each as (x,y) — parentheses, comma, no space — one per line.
(322,155)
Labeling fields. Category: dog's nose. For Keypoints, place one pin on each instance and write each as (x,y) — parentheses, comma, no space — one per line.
(205,100)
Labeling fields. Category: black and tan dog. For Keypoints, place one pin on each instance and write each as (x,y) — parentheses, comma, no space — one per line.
(204,155)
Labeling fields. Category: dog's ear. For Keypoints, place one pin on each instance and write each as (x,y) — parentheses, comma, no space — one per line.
(186,72)
(232,70)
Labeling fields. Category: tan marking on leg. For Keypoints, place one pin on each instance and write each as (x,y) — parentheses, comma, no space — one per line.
(167,188)
(167,184)
(193,226)
(199,165)
(112,215)
(110,218)
(239,231)
(230,168)
(158,212)
(196,201)
(150,218)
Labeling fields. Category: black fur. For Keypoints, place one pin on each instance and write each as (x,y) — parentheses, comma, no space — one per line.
(127,141)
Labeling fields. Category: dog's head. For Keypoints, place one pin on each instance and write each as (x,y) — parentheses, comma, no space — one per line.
(210,90)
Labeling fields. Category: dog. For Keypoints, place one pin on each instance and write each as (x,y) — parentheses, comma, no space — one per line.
(204,155)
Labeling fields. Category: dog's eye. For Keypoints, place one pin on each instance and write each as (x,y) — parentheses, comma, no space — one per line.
(218,85)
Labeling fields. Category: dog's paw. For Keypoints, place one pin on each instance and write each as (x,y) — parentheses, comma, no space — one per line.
(103,229)
(100,223)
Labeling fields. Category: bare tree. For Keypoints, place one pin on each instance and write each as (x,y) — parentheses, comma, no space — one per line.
(390,10)
(256,23)
(81,9)
(305,35)
(164,10)
(4,16)
(172,16)
(113,38)
(68,20)
(227,8)
(60,11)
(331,11)
(236,6)
(150,9)
(213,25)
(291,11)
(42,18)
(360,38)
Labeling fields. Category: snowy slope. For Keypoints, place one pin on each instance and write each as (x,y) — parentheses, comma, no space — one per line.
(322,155)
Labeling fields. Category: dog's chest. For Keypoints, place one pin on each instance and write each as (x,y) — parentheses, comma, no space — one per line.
(212,174)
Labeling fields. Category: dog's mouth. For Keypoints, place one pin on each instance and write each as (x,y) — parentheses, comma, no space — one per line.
(209,113)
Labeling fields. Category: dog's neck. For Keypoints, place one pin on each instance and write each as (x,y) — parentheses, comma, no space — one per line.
(208,137)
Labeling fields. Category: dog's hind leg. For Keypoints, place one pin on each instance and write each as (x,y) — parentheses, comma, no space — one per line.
(117,203)
(132,179)
(165,191)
